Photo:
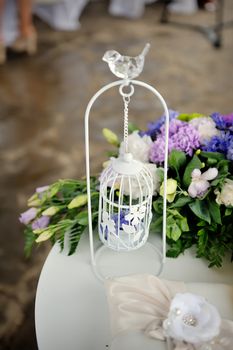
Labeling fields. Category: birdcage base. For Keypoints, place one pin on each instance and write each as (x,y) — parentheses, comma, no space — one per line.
(109,263)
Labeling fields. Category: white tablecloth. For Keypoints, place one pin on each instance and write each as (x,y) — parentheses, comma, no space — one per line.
(71,308)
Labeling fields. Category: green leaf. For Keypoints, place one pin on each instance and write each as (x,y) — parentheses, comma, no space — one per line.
(158,205)
(30,238)
(160,174)
(156,225)
(202,241)
(74,238)
(82,218)
(132,127)
(200,209)
(183,223)
(54,189)
(181,202)
(112,154)
(176,160)
(173,230)
(211,161)
(194,163)
(213,155)
(228,211)
(201,224)
(215,213)
(176,248)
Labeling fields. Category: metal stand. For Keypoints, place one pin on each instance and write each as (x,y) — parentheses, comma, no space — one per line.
(87,114)
(212,33)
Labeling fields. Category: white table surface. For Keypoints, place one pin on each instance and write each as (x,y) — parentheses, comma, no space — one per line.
(71,311)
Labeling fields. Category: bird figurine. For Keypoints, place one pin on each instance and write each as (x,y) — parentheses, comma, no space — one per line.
(126,67)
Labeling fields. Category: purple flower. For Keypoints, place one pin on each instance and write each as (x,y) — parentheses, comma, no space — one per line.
(222,143)
(41,189)
(174,127)
(182,136)
(186,139)
(156,154)
(230,150)
(122,219)
(42,222)
(223,122)
(154,127)
(28,216)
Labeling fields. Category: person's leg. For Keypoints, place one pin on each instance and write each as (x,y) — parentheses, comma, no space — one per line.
(2,46)
(2,5)
(27,40)
(25,15)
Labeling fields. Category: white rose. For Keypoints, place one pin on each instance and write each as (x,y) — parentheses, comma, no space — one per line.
(206,128)
(138,146)
(192,319)
(226,195)
(135,189)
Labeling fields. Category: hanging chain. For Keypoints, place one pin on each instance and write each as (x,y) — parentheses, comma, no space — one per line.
(126,99)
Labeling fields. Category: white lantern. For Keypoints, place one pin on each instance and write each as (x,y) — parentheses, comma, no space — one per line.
(126,184)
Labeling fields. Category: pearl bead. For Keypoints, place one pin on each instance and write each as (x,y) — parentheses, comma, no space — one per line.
(189,320)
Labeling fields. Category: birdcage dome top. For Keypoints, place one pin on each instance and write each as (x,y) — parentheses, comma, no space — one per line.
(126,165)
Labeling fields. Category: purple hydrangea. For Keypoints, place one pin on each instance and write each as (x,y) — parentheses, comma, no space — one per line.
(156,154)
(222,143)
(41,222)
(174,126)
(154,127)
(28,216)
(182,136)
(186,139)
(223,122)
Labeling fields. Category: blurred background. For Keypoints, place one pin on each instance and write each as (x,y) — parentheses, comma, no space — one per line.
(51,65)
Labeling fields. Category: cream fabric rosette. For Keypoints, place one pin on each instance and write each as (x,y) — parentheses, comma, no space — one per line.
(165,310)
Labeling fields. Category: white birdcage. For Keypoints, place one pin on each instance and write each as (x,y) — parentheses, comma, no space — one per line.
(126,184)
(126,190)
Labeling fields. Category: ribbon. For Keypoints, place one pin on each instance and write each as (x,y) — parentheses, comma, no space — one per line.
(142,303)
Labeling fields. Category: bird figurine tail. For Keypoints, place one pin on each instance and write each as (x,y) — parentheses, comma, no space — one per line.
(145,50)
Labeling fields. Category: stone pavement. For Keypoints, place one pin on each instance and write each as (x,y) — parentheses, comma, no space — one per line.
(42,102)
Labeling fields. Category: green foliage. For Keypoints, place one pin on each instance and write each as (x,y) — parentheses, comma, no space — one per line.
(132,127)
(71,220)
(194,163)
(176,224)
(200,209)
(176,161)
(29,240)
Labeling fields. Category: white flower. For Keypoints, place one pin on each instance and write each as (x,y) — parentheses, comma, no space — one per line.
(226,195)
(192,319)
(136,214)
(200,182)
(108,223)
(138,146)
(206,128)
(136,188)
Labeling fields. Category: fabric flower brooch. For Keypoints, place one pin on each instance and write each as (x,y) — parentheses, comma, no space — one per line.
(193,320)
(166,310)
